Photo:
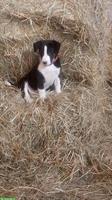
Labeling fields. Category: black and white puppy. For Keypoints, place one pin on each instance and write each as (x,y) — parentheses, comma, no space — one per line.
(45,76)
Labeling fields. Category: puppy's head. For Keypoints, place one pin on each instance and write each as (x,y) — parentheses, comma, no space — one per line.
(47,49)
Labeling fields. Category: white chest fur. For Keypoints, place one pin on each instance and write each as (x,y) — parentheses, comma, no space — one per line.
(50,74)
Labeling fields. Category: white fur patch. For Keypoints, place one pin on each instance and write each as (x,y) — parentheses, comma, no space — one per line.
(57,85)
(42,94)
(27,95)
(50,74)
(7,83)
(46,57)
(45,50)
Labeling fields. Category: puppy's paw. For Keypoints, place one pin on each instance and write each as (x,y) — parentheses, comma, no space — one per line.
(42,94)
(28,100)
(58,91)
(7,83)
(42,99)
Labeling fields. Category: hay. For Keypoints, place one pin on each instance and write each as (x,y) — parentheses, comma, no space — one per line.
(60,149)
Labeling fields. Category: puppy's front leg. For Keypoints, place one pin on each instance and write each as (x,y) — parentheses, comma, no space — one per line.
(27,97)
(42,94)
(57,85)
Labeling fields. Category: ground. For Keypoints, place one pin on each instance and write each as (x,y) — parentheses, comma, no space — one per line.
(59,149)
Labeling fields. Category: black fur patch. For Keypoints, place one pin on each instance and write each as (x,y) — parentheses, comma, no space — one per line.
(34,78)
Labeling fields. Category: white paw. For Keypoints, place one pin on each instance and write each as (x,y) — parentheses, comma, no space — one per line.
(7,83)
(58,91)
(42,98)
(42,94)
(29,100)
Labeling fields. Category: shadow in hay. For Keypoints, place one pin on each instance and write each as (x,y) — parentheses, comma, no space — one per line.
(29,59)
(18,67)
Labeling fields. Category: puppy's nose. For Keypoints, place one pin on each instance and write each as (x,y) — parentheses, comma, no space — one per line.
(44,62)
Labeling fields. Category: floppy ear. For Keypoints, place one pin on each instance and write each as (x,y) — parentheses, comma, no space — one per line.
(56,46)
(37,45)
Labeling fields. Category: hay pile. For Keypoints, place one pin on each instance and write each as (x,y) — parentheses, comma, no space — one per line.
(60,149)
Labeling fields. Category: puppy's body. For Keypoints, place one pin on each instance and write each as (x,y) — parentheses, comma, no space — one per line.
(45,76)
(40,80)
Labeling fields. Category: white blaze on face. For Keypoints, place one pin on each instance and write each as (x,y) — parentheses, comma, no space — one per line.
(46,58)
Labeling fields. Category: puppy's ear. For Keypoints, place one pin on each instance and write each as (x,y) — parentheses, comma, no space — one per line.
(37,45)
(56,46)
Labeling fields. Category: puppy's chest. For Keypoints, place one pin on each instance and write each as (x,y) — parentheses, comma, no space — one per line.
(50,74)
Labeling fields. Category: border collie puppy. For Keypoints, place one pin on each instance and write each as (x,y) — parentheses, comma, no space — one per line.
(45,76)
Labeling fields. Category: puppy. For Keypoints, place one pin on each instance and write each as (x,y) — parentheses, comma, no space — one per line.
(45,76)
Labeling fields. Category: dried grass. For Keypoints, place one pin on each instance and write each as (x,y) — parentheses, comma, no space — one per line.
(60,149)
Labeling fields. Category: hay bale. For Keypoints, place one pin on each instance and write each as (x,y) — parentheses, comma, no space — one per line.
(24,26)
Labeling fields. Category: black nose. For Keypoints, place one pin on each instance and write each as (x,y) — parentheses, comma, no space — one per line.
(44,62)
